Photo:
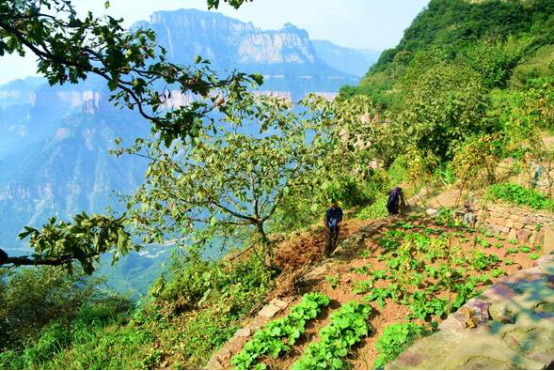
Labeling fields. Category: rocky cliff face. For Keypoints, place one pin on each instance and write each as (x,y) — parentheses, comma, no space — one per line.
(287,58)
(352,61)
(69,172)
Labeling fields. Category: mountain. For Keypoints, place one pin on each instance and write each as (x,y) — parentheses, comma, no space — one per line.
(352,61)
(287,57)
(68,172)
(507,41)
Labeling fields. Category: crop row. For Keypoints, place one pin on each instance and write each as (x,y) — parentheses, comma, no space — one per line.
(277,337)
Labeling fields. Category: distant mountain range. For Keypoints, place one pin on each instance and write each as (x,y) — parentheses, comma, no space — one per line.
(54,141)
(287,58)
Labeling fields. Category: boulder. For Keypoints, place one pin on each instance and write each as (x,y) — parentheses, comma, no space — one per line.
(523,235)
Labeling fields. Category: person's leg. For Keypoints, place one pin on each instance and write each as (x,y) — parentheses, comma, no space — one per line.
(329,244)
(335,238)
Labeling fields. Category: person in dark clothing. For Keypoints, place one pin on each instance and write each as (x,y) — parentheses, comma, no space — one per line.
(3,256)
(333,218)
(396,203)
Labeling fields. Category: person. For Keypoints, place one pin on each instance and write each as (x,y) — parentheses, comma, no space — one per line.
(396,203)
(3,256)
(333,218)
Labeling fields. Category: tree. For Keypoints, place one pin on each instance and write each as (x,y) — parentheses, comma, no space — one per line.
(476,155)
(526,114)
(231,178)
(61,244)
(70,49)
(447,104)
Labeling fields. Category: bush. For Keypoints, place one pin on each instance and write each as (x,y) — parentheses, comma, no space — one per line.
(376,210)
(518,195)
(34,299)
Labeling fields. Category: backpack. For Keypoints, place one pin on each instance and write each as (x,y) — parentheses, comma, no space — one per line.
(333,222)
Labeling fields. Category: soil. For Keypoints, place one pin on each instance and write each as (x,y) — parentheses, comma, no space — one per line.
(303,255)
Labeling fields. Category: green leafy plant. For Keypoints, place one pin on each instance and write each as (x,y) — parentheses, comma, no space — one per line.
(518,195)
(395,339)
(279,335)
(333,281)
(422,306)
(381,294)
(348,326)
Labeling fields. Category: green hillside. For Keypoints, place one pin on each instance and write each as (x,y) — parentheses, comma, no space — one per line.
(506,41)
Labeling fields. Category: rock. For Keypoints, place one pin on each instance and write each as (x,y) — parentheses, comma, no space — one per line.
(243,332)
(279,303)
(518,225)
(509,223)
(530,219)
(270,311)
(469,219)
(533,238)
(512,235)
(432,212)
(523,235)
(317,272)
(540,238)
(497,221)
(502,312)
(214,364)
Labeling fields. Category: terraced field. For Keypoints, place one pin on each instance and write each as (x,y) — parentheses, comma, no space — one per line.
(389,282)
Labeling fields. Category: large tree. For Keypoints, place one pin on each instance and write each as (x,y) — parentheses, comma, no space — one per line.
(235,177)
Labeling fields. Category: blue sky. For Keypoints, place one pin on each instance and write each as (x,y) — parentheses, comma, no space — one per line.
(369,24)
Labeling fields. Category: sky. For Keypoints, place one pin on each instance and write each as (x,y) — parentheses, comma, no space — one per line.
(366,24)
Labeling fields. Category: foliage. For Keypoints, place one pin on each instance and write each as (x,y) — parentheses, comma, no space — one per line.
(279,335)
(41,308)
(477,154)
(197,304)
(231,181)
(84,241)
(348,326)
(495,60)
(448,104)
(70,49)
(518,195)
(376,210)
(395,339)
(194,283)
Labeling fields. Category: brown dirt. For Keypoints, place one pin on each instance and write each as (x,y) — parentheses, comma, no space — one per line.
(300,255)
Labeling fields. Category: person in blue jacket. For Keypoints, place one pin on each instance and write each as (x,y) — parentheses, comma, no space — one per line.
(333,218)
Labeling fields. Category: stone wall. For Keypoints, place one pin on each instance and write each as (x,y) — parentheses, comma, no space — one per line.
(526,226)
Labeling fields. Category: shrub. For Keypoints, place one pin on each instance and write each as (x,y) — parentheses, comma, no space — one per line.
(518,195)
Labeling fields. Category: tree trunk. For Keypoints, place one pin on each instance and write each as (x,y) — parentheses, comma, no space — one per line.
(266,243)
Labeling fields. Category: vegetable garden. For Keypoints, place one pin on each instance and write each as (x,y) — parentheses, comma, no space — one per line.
(380,297)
